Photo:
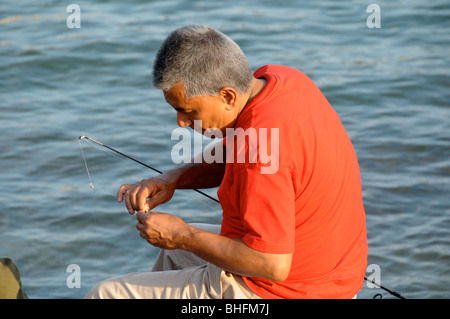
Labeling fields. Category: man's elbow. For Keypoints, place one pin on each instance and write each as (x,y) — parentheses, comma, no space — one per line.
(280,274)
(280,268)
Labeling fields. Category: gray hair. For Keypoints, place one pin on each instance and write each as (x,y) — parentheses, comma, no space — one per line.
(203,59)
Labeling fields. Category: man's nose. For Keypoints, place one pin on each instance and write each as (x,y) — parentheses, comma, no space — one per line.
(183,120)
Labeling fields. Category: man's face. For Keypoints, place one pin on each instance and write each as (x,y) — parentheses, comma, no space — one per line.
(214,112)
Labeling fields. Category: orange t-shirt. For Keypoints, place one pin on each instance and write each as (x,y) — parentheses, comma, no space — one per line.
(310,203)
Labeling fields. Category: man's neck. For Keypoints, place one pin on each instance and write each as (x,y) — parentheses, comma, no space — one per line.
(256,88)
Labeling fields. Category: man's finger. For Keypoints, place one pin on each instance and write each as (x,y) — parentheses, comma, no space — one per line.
(128,203)
(131,194)
(139,226)
(154,201)
(141,199)
(151,203)
(121,192)
(144,236)
(141,217)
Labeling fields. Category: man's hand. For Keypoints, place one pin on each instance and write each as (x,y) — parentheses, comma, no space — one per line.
(147,194)
(161,230)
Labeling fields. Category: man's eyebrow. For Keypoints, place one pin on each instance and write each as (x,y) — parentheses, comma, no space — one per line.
(179,109)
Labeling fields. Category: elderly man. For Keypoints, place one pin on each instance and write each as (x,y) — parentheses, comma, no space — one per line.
(296,231)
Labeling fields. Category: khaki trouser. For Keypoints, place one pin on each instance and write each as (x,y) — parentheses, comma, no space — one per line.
(176,274)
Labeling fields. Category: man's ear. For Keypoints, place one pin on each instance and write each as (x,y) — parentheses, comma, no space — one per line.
(228,96)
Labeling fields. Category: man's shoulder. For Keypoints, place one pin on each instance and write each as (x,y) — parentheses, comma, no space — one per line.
(278,69)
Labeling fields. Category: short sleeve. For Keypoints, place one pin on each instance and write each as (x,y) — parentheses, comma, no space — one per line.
(267,209)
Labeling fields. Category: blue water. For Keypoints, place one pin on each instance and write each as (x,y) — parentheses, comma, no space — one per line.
(390,86)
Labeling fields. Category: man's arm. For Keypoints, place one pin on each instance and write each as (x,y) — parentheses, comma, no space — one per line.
(170,232)
(199,174)
(149,193)
(236,257)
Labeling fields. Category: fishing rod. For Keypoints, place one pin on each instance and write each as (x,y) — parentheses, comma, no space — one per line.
(137,161)
(396,294)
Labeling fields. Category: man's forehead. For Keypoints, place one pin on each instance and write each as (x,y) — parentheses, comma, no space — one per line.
(175,95)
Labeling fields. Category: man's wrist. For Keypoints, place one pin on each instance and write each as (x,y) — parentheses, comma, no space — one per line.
(172,177)
(175,176)
(187,238)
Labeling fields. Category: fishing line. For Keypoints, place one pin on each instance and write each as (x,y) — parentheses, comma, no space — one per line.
(85,164)
(92,177)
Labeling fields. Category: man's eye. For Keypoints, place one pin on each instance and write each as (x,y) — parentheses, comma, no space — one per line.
(186,112)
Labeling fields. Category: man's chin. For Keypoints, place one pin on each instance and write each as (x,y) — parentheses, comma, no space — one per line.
(214,133)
